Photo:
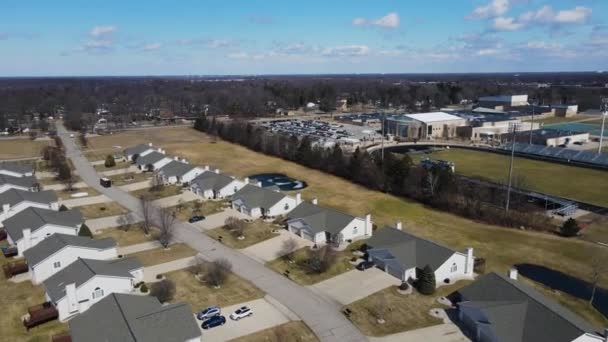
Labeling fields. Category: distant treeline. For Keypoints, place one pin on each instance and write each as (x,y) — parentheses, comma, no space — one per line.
(396,174)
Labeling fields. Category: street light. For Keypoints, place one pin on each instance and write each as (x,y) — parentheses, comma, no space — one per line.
(604,114)
(513,128)
(532,122)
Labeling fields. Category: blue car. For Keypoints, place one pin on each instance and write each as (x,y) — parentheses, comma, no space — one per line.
(196,218)
(208,313)
(213,322)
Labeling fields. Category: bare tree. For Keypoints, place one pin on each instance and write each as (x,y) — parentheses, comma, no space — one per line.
(235,226)
(198,266)
(146,213)
(598,269)
(217,271)
(197,206)
(157,182)
(321,259)
(166,225)
(288,247)
(125,221)
(164,290)
(180,205)
(69,182)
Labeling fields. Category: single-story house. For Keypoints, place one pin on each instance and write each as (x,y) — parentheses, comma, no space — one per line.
(58,251)
(213,184)
(14,201)
(499,308)
(402,254)
(324,225)
(132,153)
(133,318)
(16,169)
(32,225)
(152,161)
(255,201)
(85,282)
(179,172)
(25,183)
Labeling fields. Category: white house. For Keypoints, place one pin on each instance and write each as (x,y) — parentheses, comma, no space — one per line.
(255,201)
(213,184)
(179,172)
(152,161)
(26,183)
(324,225)
(16,169)
(85,282)
(141,150)
(58,251)
(135,319)
(32,225)
(14,201)
(402,254)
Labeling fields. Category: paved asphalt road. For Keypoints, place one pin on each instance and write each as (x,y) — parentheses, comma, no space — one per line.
(322,315)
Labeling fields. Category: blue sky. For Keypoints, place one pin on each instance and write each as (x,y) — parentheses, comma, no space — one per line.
(133,37)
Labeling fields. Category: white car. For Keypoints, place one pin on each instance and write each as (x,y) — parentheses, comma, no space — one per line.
(241,312)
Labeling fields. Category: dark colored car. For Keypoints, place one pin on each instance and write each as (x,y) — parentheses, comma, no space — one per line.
(213,322)
(362,266)
(196,218)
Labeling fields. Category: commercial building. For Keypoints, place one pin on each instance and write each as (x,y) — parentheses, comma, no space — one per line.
(490,127)
(550,137)
(424,125)
(502,102)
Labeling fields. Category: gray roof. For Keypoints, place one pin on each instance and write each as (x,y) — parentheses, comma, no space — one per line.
(137,149)
(25,181)
(132,318)
(35,218)
(16,196)
(150,158)
(518,313)
(57,242)
(256,197)
(82,270)
(320,219)
(17,167)
(176,168)
(410,250)
(210,180)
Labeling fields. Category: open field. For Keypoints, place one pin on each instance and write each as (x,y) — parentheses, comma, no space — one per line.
(557,119)
(165,191)
(161,255)
(294,331)
(22,148)
(131,236)
(502,247)
(207,208)
(255,232)
(596,229)
(128,178)
(53,180)
(402,312)
(196,293)
(102,210)
(561,180)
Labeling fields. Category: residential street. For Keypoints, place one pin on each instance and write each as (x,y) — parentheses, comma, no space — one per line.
(321,315)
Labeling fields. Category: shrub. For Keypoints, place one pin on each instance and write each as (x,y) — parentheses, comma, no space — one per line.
(426,281)
(570,228)
(164,290)
(110,162)
(479,265)
(63,208)
(159,276)
(143,288)
(404,286)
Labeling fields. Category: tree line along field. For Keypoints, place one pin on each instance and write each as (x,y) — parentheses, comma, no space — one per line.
(587,185)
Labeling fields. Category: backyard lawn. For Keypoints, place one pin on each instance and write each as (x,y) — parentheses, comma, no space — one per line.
(294,331)
(160,255)
(119,165)
(64,194)
(196,293)
(128,178)
(206,208)
(102,210)
(165,191)
(131,236)
(255,232)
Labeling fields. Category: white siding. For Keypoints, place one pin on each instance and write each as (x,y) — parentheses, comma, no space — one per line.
(589,338)
(5,187)
(24,205)
(15,174)
(230,189)
(66,256)
(190,175)
(446,271)
(282,207)
(41,234)
(354,230)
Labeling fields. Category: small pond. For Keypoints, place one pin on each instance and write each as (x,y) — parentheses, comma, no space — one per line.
(280,180)
(565,283)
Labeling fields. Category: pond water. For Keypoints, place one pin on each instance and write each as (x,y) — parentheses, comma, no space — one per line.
(280,180)
(565,283)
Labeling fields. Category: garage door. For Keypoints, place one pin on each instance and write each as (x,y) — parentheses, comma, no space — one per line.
(304,234)
(395,272)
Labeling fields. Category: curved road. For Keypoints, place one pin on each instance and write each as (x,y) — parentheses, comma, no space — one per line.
(321,315)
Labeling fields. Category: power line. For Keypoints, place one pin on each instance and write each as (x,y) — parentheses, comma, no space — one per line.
(604,114)
(513,127)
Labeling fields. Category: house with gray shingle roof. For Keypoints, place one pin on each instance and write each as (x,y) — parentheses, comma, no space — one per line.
(402,255)
(132,153)
(17,169)
(179,172)
(215,185)
(132,318)
(14,201)
(32,225)
(152,161)
(85,282)
(325,225)
(499,308)
(25,183)
(58,251)
(255,201)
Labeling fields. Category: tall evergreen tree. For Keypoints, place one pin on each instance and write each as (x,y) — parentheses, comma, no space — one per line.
(426,281)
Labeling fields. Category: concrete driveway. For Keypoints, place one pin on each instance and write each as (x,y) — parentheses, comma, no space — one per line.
(136,186)
(271,248)
(354,285)
(171,201)
(447,332)
(59,186)
(265,316)
(78,202)
(108,222)
(217,220)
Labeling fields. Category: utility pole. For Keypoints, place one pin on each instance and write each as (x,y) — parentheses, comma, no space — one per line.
(382,142)
(604,114)
(514,131)
(532,122)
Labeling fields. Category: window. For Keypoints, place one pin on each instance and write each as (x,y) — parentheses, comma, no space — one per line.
(454,268)
(355,230)
(286,206)
(57,264)
(97,293)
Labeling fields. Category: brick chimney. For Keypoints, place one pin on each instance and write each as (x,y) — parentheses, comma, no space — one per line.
(368,225)
(513,273)
(469,262)
(298,198)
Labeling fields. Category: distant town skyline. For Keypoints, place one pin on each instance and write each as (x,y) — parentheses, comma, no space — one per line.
(75,38)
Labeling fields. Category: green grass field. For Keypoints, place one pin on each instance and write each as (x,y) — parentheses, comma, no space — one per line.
(556,179)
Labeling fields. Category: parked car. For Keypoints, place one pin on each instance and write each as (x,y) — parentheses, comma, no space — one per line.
(362,266)
(241,312)
(213,322)
(208,313)
(196,218)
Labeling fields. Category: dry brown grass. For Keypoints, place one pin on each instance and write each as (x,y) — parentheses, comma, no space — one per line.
(64,194)
(160,255)
(102,210)
(255,232)
(165,191)
(129,178)
(123,237)
(294,331)
(22,148)
(207,208)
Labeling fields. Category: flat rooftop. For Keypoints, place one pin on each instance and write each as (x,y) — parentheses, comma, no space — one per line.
(426,117)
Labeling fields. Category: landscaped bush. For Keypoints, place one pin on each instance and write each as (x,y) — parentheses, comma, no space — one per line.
(570,228)
(479,266)
(426,281)
(159,276)
(110,162)
(143,288)
(404,286)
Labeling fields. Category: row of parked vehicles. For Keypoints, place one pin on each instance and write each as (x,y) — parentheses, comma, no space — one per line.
(212,316)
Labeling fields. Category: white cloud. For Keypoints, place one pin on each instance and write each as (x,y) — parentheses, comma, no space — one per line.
(210,43)
(494,9)
(238,55)
(151,47)
(99,31)
(577,15)
(390,20)
(506,24)
(346,50)
(487,52)
(547,15)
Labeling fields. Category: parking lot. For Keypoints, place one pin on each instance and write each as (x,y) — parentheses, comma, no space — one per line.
(323,131)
